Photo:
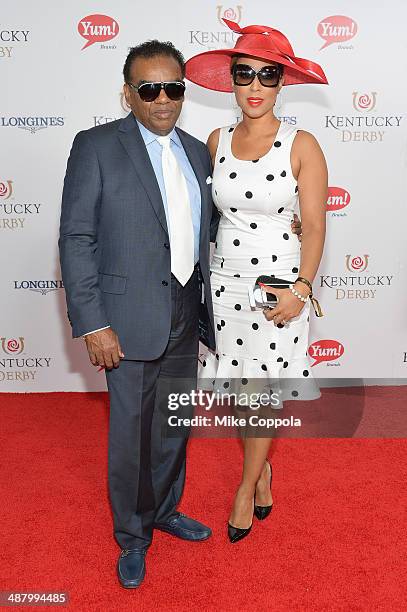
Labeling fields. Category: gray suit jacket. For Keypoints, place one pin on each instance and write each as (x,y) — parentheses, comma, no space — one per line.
(114,243)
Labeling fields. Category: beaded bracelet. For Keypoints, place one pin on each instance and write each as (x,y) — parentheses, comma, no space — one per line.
(298,295)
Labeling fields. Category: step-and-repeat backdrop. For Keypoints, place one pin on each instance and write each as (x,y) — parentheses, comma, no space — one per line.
(61,72)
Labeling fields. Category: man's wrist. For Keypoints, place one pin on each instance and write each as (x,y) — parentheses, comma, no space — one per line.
(95,330)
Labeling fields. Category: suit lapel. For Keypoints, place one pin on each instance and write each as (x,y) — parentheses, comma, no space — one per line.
(132,141)
(199,171)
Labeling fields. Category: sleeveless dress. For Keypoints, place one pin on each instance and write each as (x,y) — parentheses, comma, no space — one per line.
(256,200)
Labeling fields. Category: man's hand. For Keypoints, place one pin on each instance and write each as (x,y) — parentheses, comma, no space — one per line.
(104,348)
(296,226)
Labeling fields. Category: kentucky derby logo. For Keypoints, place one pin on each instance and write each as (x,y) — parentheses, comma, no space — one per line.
(97,28)
(338,198)
(6,189)
(325,350)
(336,29)
(356,264)
(233,14)
(12,346)
(364,102)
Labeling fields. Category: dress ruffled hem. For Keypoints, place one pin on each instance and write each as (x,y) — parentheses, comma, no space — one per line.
(245,378)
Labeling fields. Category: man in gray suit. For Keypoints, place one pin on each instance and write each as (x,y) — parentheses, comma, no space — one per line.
(134,250)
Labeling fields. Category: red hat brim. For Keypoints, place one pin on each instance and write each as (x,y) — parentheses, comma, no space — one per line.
(211,69)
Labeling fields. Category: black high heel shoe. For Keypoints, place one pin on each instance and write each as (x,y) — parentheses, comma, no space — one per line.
(262,512)
(238,533)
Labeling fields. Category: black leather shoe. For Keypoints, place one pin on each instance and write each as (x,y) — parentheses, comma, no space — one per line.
(262,512)
(181,526)
(236,533)
(131,567)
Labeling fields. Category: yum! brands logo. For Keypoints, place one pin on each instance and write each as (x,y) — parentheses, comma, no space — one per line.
(221,38)
(366,125)
(358,283)
(326,350)
(337,29)
(338,199)
(98,28)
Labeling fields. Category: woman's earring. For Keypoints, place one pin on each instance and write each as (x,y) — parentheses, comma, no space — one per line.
(278,103)
(236,108)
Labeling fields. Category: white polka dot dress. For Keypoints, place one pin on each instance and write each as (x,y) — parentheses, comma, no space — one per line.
(256,200)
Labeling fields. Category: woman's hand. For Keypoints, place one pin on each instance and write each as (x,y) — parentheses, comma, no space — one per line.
(288,305)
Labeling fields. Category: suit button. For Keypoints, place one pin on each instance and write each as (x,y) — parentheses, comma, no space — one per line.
(166,245)
(164,283)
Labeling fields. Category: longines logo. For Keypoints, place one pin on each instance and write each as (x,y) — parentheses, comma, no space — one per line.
(364,127)
(39,286)
(98,28)
(326,350)
(13,215)
(214,39)
(14,37)
(356,285)
(337,29)
(32,124)
(338,199)
(15,366)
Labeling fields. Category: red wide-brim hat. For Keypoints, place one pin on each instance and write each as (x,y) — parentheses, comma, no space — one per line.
(211,69)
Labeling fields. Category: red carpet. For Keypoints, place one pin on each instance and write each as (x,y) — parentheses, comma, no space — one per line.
(336,538)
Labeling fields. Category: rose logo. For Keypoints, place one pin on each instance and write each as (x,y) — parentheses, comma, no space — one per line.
(364,102)
(229,13)
(12,346)
(6,189)
(357,264)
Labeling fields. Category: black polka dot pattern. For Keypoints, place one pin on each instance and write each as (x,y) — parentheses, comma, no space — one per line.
(255,202)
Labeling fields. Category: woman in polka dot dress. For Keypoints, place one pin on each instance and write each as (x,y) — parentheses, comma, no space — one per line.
(262,170)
